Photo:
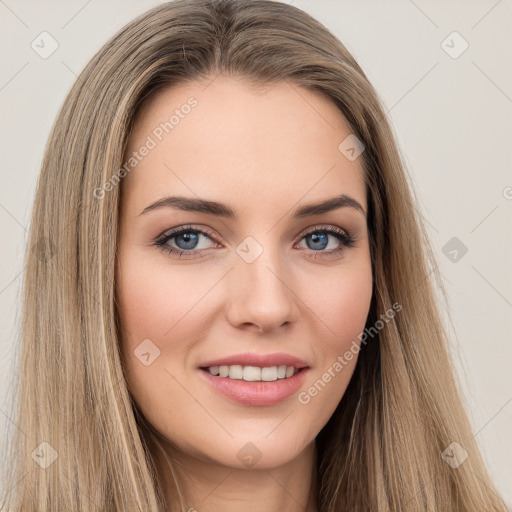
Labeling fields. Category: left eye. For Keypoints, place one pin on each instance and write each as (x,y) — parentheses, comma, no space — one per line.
(187,239)
(319,240)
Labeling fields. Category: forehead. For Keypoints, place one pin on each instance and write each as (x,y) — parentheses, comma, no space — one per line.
(226,137)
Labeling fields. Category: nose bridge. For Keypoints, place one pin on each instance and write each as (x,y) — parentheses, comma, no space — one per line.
(260,289)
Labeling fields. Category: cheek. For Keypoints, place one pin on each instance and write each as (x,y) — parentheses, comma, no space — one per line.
(340,305)
(155,306)
(154,298)
(340,302)
(158,308)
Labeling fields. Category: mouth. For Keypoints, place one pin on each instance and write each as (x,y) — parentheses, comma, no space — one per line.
(255,379)
(253,373)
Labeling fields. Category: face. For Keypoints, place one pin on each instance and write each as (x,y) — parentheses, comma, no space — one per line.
(236,312)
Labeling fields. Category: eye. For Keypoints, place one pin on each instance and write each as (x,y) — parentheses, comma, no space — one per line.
(186,238)
(317,240)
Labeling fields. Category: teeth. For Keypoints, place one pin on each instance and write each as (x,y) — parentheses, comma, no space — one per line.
(269,374)
(235,371)
(253,373)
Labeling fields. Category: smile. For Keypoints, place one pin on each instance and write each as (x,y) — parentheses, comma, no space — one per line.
(253,373)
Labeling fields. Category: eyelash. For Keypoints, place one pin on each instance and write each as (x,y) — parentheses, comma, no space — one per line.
(343,236)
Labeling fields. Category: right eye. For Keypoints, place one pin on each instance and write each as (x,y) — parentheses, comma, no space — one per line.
(186,239)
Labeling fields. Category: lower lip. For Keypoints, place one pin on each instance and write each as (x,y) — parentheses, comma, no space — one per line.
(257,393)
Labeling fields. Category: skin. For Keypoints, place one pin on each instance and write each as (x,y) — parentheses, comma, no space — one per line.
(264,152)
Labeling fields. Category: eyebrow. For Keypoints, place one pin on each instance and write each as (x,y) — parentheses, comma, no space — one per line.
(191,204)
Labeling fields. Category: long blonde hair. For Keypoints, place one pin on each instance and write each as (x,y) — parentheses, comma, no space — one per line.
(381,449)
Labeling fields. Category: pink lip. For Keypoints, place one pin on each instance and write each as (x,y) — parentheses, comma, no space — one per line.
(260,360)
(256,393)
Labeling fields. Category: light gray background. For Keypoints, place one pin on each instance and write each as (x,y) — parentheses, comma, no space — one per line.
(453,121)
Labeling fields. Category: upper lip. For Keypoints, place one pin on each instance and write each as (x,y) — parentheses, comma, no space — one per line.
(262,360)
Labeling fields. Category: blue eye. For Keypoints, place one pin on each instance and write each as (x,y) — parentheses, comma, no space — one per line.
(186,239)
(319,240)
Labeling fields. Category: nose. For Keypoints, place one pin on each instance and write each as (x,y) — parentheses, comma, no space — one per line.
(261,294)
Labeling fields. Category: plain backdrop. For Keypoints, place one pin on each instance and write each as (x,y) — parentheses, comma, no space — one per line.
(449,98)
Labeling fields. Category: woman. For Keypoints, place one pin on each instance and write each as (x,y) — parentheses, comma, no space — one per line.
(228,303)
